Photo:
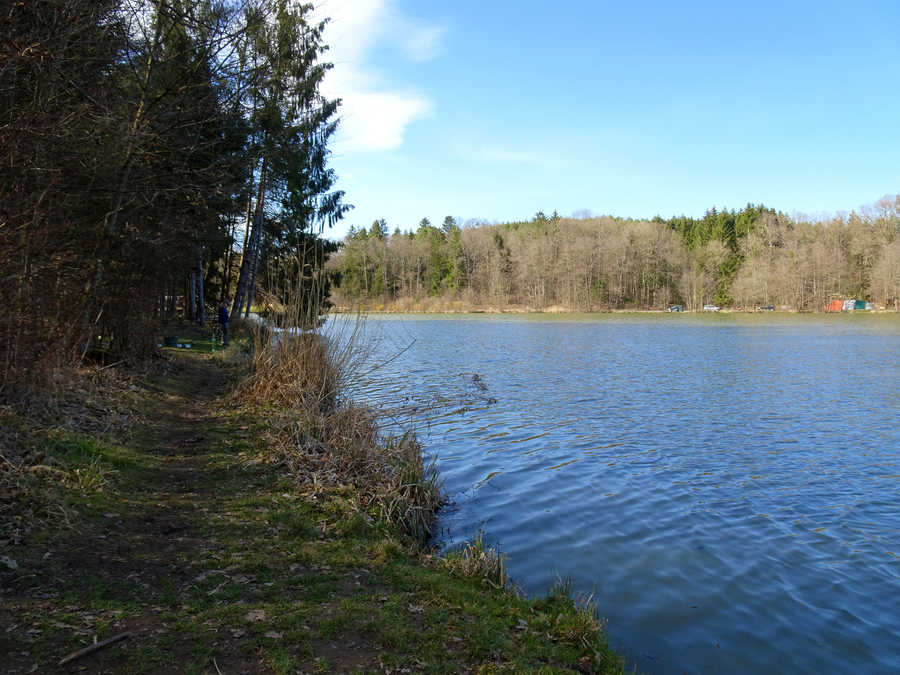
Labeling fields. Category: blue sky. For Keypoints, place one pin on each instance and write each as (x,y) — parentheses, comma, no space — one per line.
(495,110)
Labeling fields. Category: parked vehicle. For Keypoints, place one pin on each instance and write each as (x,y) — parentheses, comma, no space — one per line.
(676,308)
(766,308)
(710,308)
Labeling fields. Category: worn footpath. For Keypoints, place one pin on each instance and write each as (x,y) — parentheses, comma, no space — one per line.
(191,552)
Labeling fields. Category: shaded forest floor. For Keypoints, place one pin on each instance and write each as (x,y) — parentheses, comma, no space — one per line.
(183,535)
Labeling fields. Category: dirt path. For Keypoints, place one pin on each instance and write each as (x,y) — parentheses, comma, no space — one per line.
(214,560)
(133,552)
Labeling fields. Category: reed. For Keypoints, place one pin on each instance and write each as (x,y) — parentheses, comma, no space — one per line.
(576,617)
(390,477)
(289,370)
(322,438)
(474,559)
(413,495)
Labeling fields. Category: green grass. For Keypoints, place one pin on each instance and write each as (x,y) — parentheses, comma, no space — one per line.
(214,558)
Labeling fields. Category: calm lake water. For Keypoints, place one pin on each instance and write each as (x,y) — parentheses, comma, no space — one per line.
(727,487)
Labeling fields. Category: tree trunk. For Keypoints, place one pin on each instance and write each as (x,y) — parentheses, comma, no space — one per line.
(366,273)
(208,279)
(251,252)
(191,298)
(226,269)
(248,226)
(201,302)
(257,250)
(172,305)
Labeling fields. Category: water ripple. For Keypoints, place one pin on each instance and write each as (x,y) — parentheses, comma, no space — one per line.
(727,488)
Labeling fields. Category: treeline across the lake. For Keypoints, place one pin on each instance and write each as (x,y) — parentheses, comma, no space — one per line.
(741,259)
(158,155)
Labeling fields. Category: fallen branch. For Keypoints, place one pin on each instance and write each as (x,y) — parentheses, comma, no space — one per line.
(94,647)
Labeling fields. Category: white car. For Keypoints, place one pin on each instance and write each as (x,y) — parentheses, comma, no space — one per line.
(710,308)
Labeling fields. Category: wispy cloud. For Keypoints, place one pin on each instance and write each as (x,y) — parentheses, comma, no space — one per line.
(507,156)
(375,113)
(496,154)
(420,41)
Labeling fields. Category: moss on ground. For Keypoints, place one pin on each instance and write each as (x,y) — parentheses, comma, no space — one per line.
(185,535)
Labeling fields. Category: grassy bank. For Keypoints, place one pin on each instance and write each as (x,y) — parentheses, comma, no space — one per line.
(226,521)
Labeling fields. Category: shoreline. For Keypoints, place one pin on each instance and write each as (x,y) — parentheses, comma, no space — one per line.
(223,534)
(565,312)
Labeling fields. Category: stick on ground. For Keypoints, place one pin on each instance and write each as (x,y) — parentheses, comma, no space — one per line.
(93,648)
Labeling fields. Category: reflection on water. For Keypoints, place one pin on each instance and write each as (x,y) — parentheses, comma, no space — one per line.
(726,486)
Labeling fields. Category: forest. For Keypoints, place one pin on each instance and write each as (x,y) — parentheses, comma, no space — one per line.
(157,156)
(161,155)
(739,259)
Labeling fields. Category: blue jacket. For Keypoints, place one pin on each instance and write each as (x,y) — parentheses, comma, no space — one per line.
(223,315)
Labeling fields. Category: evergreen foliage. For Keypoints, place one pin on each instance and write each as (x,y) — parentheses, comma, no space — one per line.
(139,139)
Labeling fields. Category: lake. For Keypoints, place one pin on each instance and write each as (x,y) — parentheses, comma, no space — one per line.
(726,486)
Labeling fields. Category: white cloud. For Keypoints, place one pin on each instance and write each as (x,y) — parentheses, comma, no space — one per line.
(418,40)
(506,156)
(378,120)
(374,113)
(496,154)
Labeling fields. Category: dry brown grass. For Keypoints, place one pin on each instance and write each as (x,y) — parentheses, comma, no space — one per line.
(87,402)
(342,447)
(323,440)
(290,370)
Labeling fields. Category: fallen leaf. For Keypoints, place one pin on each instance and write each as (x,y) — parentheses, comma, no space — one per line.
(217,588)
(238,632)
(207,573)
(416,609)
(274,635)
(256,615)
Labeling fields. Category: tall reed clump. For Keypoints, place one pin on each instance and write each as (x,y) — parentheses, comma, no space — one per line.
(322,438)
(290,370)
(474,559)
(413,494)
(575,618)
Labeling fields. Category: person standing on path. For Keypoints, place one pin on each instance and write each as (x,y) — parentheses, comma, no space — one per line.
(223,321)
